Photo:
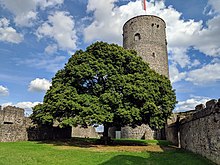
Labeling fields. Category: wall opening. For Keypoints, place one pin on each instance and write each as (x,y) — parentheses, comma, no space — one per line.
(137,36)
(153,55)
(6,122)
(158,26)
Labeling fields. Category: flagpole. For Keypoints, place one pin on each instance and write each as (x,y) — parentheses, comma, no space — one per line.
(144,6)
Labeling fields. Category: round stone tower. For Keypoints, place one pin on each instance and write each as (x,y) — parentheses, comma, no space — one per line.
(146,34)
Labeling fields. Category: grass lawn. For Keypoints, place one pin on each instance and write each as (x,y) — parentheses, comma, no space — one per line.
(86,152)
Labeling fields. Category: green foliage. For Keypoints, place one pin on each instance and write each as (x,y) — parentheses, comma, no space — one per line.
(108,85)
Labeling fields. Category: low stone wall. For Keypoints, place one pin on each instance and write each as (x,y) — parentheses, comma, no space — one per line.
(12,133)
(199,131)
(88,132)
(48,133)
(140,132)
(13,124)
(172,134)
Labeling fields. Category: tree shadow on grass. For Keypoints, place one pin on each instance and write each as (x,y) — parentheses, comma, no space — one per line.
(168,155)
(125,160)
(179,157)
(93,142)
(74,142)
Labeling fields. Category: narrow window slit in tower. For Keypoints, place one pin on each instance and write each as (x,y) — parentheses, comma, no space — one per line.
(137,37)
(6,122)
(153,54)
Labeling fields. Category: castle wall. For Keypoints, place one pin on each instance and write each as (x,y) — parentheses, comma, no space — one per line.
(12,124)
(146,34)
(84,132)
(199,132)
(48,133)
(12,133)
(140,132)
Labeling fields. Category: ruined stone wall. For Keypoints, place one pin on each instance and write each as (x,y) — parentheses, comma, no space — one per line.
(13,124)
(88,132)
(140,132)
(48,133)
(199,131)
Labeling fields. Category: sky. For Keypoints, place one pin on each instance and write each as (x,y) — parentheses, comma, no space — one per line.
(37,37)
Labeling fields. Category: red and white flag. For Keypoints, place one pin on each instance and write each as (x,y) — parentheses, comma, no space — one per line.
(143,4)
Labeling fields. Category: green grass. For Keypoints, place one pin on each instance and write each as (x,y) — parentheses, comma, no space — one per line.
(38,153)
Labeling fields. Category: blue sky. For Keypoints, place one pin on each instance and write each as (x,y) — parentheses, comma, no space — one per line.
(37,37)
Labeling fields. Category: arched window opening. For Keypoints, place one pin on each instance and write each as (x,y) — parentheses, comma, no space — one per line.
(137,37)
(158,26)
(152,24)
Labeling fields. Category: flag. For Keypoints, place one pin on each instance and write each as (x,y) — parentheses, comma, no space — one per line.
(143,4)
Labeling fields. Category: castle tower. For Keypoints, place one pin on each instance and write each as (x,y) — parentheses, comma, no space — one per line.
(146,34)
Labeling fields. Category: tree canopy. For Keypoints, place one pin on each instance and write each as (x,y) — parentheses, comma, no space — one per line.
(106,84)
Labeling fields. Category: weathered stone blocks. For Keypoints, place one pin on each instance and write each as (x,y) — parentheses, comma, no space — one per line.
(200,131)
(146,34)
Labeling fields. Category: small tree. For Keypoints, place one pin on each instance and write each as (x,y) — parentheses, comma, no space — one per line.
(107,85)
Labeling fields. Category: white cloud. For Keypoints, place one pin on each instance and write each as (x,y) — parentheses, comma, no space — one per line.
(195,63)
(25,10)
(207,40)
(50,49)
(50,63)
(27,106)
(191,103)
(49,3)
(4,91)
(9,34)
(205,75)
(39,85)
(215,6)
(60,27)
(6,104)
(19,6)
(175,75)
(179,56)
(26,19)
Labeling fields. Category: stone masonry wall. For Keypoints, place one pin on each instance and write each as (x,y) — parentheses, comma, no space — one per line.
(140,132)
(146,34)
(48,133)
(199,132)
(12,124)
(89,132)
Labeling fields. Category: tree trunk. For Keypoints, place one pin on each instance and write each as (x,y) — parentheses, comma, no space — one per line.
(105,134)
